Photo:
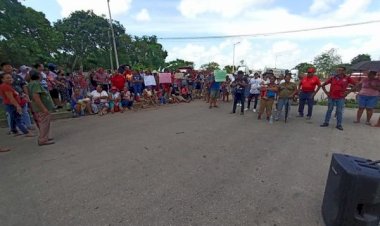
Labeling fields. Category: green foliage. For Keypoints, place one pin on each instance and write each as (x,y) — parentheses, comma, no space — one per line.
(26,35)
(175,64)
(229,69)
(360,58)
(302,67)
(327,61)
(212,66)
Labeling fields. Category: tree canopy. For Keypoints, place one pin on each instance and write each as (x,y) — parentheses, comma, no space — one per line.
(212,66)
(26,36)
(302,67)
(327,61)
(81,39)
(360,58)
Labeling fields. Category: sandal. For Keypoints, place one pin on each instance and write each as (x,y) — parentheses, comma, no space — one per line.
(4,149)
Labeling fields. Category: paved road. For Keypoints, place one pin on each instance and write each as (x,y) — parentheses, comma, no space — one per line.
(178,165)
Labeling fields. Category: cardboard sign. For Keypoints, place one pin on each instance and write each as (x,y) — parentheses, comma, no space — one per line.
(179,75)
(165,78)
(220,76)
(149,80)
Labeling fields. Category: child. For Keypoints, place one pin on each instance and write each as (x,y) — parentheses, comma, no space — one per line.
(268,94)
(185,92)
(126,99)
(114,100)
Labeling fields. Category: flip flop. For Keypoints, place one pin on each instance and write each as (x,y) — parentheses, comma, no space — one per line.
(5,149)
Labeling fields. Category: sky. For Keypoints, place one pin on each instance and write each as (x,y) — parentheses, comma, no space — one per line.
(194,18)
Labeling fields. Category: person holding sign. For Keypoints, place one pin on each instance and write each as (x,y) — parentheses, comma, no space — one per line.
(214,92)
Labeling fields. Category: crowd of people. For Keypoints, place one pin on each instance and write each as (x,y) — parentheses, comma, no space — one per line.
(34,92)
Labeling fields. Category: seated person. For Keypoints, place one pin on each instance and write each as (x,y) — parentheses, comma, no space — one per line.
(149,97)
(126,99)
(79,104)
(185,93)
(176,97)
(114,100)
(99,99)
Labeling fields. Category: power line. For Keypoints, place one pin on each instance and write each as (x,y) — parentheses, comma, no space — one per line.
(271,33)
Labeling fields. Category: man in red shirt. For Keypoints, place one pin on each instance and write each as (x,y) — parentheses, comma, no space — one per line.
(337,95)
(307,92)
(118,80)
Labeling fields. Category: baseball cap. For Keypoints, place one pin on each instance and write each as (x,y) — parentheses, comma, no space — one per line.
(311,70)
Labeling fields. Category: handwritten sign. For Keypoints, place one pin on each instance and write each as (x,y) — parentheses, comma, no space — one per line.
(149,80)
(220,76)
(165,78)
(179,75)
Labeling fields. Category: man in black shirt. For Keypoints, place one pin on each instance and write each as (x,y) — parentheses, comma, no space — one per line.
(239,88)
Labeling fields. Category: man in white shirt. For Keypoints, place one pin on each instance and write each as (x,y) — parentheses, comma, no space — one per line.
(99,99)
(254,92)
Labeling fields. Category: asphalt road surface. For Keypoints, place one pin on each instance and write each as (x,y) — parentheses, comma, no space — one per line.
(177,165)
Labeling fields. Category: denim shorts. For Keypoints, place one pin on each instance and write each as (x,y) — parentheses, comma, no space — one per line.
(367,101)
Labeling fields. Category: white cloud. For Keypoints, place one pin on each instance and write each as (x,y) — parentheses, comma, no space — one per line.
(98,6)
(352,8)
(321,6)
(143,16)
(226,8)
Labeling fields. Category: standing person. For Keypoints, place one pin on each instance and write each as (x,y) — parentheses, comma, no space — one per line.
(254,92)
(307,92)
(42,105)
(40,69)
(118,80)
(336,95)
(226,89)
(137,83)
(13,105)
(368,96)
(239,86)
(52,82)
(267,98)
(101,78)
(20,86)
(214,92)
(287,90)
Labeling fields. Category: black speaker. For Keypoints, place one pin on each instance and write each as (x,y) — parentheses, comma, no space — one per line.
(352,194)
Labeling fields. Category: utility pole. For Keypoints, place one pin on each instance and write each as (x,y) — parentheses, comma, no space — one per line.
(233,57)
(113,35)
(111,61)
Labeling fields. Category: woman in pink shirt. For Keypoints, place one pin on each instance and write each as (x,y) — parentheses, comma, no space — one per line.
(368,96)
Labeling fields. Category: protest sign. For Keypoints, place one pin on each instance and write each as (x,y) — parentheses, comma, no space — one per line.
(165,77)
(149,80)
(220,76)
(179,75)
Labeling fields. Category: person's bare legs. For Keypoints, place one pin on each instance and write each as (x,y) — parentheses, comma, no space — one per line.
(369,115)
(359,115)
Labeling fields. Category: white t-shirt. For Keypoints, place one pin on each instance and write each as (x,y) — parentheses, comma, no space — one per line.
(95,94)
(283,81)
(115,95)
(255,85)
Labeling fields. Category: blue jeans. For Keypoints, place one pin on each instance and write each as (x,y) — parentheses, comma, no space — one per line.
(339,104)
(306,97)
(238,98)
(26,116)
(15,119)
(281,103)
(137,89)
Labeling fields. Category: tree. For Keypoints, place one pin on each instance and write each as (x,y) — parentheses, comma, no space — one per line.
(229,69)
(26,36)
(175,64)
(212,66)
(360,58)
(302,67)
(327,61)
(85,33)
